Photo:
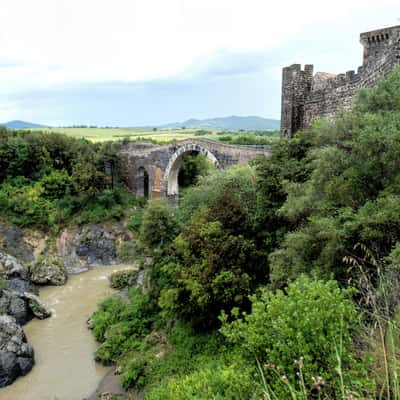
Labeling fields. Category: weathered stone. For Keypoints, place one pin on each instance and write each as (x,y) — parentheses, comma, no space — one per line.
(48,270)
(12,241)
(89,245)
(159,164)
(306,97)
(11,303)
(10,267)
(38,309)
(21,285)
(16,355)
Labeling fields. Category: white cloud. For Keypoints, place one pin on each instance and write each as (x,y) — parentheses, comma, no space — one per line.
(59,42)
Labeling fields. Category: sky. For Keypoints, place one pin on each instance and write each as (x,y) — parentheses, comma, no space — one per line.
(149,62)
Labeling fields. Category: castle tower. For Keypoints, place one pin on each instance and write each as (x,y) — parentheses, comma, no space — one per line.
(306,98)
(296,85)
(379,44)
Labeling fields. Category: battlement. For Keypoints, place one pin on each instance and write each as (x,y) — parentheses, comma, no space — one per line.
(306,97)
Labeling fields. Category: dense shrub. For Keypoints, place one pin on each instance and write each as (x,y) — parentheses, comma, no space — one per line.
(120,322)
(47,179)
(315,322)
(159,224)
(214,379)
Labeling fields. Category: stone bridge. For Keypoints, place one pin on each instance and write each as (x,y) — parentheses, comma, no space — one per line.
(154,168)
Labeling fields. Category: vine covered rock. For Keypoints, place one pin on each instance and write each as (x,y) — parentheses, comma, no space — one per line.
(49,270)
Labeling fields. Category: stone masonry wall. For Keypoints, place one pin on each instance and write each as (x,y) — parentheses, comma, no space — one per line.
(306,97)
(161,162)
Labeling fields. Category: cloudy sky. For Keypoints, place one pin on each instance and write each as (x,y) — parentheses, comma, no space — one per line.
(147,62)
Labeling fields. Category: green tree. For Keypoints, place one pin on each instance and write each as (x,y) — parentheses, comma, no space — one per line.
(159,225)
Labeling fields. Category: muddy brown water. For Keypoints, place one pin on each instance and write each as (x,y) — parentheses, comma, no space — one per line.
(64,346)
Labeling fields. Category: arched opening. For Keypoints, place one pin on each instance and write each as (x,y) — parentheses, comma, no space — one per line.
(185,166)
(142,183)
(193,166)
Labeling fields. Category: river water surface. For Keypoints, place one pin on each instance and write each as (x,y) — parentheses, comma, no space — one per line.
(64,346)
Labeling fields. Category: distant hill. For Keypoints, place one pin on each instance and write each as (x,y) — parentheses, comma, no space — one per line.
(233,123)
(22,125)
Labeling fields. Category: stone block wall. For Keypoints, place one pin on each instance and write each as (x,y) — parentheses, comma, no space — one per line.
(306,98)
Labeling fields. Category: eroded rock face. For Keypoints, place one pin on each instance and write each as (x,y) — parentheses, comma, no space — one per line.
(89,245)
(16,355)
(48,270)
(12,241)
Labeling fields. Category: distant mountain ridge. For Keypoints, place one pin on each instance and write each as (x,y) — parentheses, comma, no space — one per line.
(16,124)
(233,122)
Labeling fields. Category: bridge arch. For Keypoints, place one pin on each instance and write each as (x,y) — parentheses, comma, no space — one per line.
(170,180)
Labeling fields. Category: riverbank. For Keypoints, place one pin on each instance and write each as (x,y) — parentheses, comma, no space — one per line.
(65,368)
(111,386)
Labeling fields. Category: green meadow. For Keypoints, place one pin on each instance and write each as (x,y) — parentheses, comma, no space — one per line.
(105,134)
(166,135)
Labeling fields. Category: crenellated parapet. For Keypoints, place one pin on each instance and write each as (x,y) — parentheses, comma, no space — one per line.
(307,97)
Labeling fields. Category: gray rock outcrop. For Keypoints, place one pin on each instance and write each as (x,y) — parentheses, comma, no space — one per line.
(48,270)
(10,267)
(90,245)
(22,306)
(12,304)
(16,355)
(38,309)
(12,241)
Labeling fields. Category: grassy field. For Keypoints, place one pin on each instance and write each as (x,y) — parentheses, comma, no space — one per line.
(167,135)
(104,134)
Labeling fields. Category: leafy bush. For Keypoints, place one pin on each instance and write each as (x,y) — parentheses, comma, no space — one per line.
(119,323)
(159,224)
(214,379)
(160,357)
(126,251)
(315,321)
(135,222)
(123,279)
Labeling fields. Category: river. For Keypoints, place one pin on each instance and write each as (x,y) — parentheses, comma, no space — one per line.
(64,346)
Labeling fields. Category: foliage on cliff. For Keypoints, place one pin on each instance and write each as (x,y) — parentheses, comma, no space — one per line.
(48,179)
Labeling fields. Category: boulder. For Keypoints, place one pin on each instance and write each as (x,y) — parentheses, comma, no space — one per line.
(21,285)
(22,306)
(10,267)
(15,305)
(48,270)
(38,309)
(16,355)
